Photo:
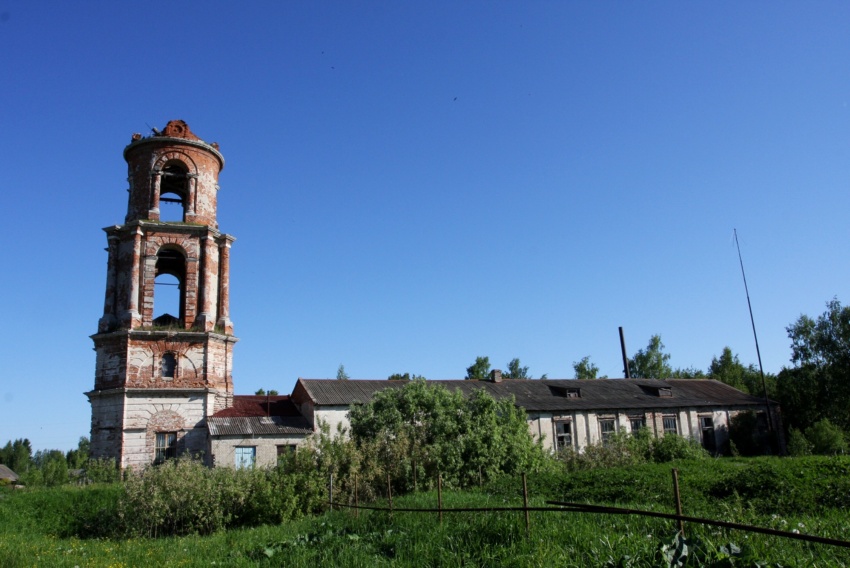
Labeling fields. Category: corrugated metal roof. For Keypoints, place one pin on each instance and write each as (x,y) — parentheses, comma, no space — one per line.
(258,425)
(550,395)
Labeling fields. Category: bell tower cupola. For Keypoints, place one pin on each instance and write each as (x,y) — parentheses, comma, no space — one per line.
(164,342)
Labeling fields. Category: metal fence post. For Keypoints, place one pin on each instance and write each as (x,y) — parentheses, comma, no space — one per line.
(678,500)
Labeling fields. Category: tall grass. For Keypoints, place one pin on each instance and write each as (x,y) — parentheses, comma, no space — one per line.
(43,527)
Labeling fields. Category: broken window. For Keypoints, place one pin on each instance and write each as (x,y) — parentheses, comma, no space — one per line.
(166,446)
(671,426)
(169,295)
(607,428)
(637,422)
(169,366)
(563,434)
(173,193)
(246,456)
(285,449)
(706,424)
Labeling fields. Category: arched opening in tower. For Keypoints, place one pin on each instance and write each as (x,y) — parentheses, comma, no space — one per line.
(173,193)
(169,292)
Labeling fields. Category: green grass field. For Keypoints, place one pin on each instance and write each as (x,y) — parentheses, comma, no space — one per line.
(43,527)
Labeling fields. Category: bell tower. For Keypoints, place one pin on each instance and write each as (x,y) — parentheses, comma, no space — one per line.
(165,341)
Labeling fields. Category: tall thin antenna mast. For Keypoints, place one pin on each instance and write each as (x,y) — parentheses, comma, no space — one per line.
(755,336)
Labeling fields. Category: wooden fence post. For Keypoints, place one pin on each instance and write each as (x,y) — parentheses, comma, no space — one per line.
(440,495)
(678,500)
(525,505)
(390,494)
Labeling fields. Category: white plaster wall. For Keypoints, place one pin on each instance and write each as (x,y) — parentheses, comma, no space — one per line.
(224,448)
(333,416)
(141,407)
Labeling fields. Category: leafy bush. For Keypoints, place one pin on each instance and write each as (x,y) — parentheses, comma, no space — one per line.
(415,432)
(184,497)
(826,438)
(623,449)
(798,445)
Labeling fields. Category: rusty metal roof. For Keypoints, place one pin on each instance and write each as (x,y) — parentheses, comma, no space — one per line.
(550,395)
(258,426)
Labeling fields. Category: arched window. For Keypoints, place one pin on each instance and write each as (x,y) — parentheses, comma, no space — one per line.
(169,366)
(173,193)
(169,292)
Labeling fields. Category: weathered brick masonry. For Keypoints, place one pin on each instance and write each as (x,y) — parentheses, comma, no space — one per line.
(155,372)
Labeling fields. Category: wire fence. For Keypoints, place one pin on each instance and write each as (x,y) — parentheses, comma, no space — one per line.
(567,507)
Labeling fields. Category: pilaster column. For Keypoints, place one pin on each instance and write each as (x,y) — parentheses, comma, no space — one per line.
(209,283)
(224,283)
(107,322)
(153,213)
(131,316)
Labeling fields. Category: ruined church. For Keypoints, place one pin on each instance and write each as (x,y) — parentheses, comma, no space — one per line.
(163,382)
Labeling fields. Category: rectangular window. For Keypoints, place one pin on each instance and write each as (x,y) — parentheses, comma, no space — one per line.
(637,422)
(607,428)
(706,425)
(246,456)
(166,446)
(284,449)
(670,425)
(563,435)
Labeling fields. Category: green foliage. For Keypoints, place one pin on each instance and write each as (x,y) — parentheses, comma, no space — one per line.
(624,449)
(341,375)
(405,377)
(17,455)
(727,368)
(183,496)
(687,373)
(818,386)
(798,445)
(806,494)
(652,362)
(516,371)
(826,438)
(260,392)
(749,434)
(427,429)
(584,369)
(78,457)
(479,370)
(101,470)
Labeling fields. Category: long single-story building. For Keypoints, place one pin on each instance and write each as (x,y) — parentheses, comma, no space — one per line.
(561,413)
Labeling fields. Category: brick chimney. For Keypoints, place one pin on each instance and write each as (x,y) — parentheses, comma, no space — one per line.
(495,376)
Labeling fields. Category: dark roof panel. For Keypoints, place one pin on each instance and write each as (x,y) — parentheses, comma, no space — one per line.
(538,395)
(258,426)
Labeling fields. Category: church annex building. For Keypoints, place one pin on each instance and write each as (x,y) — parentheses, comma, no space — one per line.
(163,381)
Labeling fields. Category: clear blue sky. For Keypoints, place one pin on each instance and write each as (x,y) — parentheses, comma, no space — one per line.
(414,184)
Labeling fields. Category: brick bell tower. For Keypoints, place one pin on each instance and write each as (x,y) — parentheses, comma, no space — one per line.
(165,342)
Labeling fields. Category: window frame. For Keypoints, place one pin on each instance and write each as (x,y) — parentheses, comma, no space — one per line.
(563,439)
(637,418)
(664,424)
(165,447)
(241,456)
(604,432)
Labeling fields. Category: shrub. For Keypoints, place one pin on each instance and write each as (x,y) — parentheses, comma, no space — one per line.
(826,438)
(798,445)
(624,449)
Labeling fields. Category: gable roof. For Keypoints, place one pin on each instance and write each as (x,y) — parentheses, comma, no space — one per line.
(549,395)
(6,473)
